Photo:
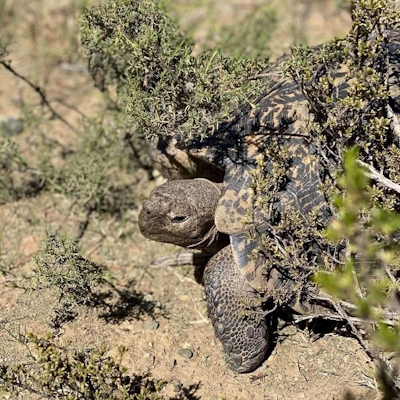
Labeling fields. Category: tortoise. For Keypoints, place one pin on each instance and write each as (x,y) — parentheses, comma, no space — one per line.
(182,212)
(240,276)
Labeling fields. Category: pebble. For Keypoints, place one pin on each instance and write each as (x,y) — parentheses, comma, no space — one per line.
(148,297)
(151,326)
(157,305)
(185,353)
(149,357)
(177,385)
(11,126)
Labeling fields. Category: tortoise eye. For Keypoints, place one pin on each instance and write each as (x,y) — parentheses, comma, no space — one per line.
(179,218)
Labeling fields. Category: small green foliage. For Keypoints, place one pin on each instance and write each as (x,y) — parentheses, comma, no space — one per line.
(388,337)
(85,178)
(108,146)
(359,66)
(60,266)
(98,175)
(346,85)
(17,178)
(57,372)
(371,233)
(8,154)
(367,278)
(80,282)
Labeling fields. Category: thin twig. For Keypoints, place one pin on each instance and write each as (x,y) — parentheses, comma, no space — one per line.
(378,359)
(356,332)
(387,315)
(40,92)
(71,107)
(84,224)
(203,320)
(179,259)
(335,317)
(374,174)
(394,281)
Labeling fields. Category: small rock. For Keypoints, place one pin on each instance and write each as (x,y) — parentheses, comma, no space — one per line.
(177,385)
(157,305)
(151,326)
(149,358)
(184,298)
(11,126)
(148,297)
(185,353)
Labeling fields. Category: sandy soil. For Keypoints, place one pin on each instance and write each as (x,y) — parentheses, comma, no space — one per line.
(298,368)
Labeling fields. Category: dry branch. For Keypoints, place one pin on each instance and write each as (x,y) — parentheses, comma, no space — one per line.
(40,92)
(377,176)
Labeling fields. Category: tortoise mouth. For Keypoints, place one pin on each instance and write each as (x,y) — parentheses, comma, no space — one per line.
(176,239)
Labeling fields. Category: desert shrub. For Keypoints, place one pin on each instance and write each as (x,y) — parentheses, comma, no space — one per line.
(78,282)
(168,89)
(368,277)
(59,266)
(108,146)
(57,372)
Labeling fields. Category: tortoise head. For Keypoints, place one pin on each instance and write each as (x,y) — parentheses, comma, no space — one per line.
(181,212)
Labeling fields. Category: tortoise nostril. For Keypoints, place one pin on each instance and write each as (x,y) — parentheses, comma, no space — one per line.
(148,209)
(156,207)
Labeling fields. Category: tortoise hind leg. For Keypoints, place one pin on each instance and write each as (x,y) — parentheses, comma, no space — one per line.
(235,312)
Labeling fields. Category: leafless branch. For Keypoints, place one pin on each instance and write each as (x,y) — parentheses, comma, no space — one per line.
(374,174)
(336,317)
(40,92)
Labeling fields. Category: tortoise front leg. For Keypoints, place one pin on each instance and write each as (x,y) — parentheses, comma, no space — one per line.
(235,311)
